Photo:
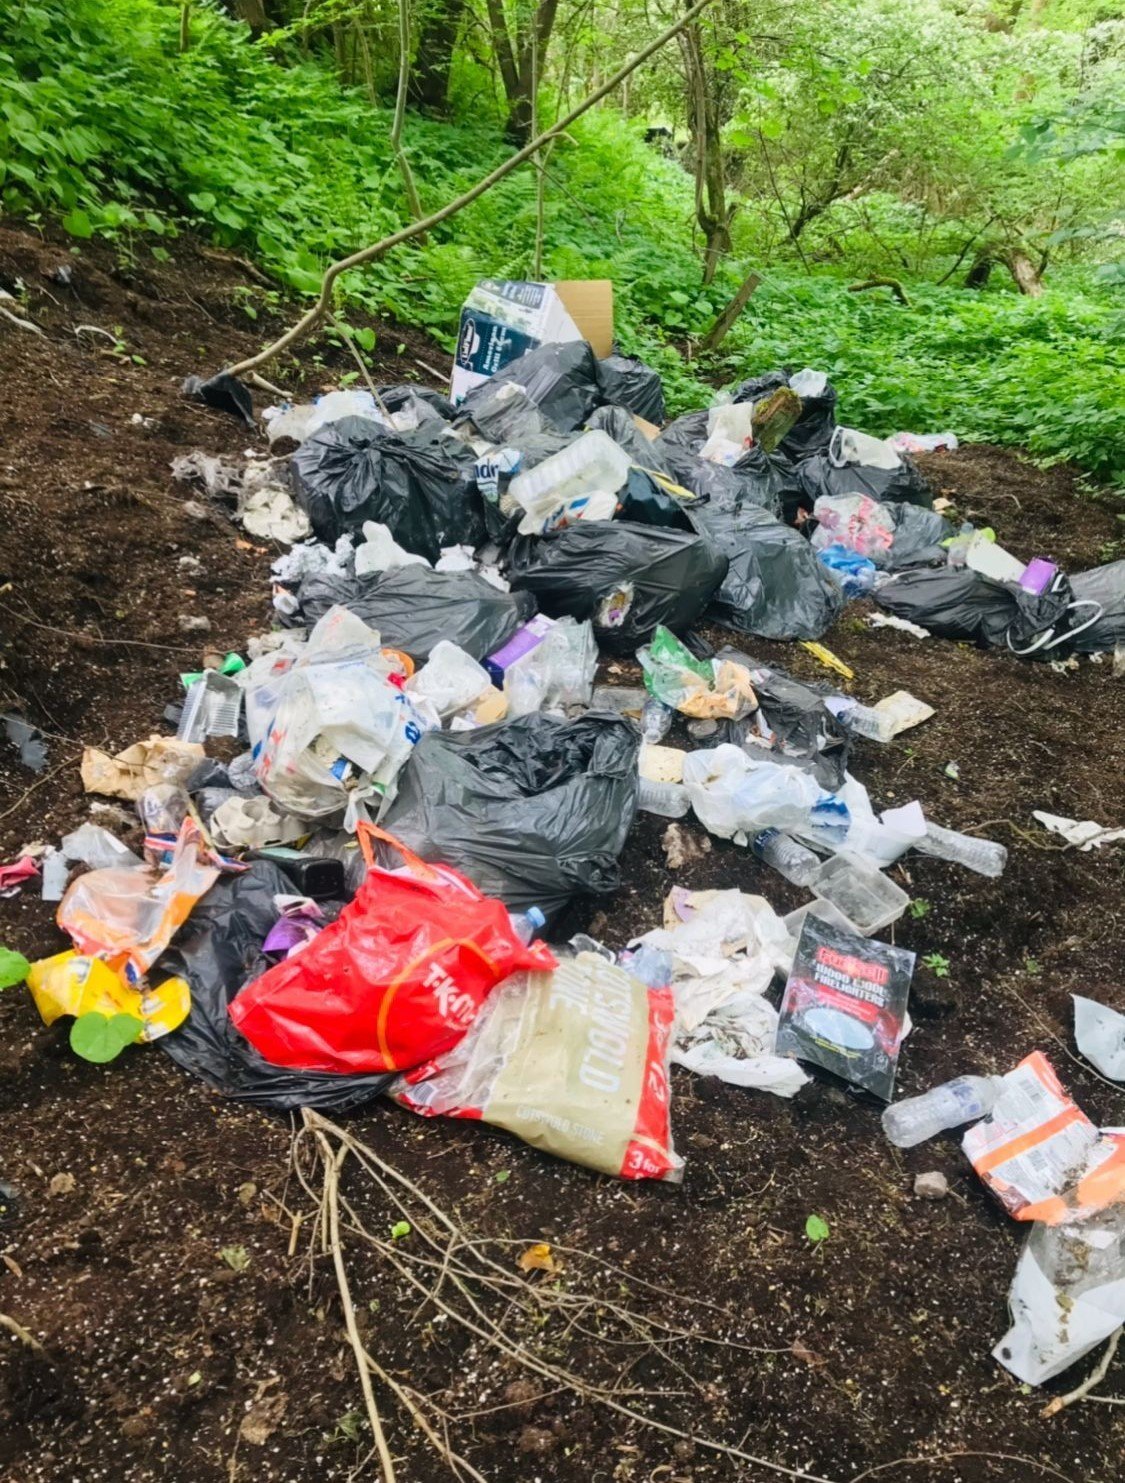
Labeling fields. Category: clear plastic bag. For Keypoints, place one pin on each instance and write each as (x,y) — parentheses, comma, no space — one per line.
(328,728)
(450,680)
(734,796)
(857,522)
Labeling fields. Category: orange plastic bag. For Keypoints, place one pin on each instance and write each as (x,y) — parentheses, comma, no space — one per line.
(396,980)
(128,916)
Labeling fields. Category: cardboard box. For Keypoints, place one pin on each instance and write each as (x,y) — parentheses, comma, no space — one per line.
(503,319)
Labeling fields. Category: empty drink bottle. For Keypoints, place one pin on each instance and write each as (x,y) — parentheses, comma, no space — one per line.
(965,1099)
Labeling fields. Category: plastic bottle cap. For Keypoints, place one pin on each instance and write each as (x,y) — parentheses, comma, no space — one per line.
(535,916)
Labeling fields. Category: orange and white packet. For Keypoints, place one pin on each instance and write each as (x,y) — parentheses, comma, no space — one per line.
(1040,1155)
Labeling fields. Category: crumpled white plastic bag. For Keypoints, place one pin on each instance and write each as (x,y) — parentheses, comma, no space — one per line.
(1099,1033)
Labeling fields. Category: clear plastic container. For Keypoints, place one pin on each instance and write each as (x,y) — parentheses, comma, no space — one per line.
(669,799)
(525,924)
(984,856)
(965,1099)
(656,720)
(865,896)
(787,857)
(866,721)
(580,481)
(211,708)
(622,700)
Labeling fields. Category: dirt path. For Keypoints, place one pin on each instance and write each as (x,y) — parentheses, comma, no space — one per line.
(877,1342)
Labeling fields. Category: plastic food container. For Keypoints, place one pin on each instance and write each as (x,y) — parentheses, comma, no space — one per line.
(868,899)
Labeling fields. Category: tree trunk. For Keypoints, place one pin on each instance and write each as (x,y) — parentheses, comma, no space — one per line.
(1023,270)
(726,320)
(253,12)
(519,58)
(433,58)
(711,210)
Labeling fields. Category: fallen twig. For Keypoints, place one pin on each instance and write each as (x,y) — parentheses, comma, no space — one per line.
(15,1327)
(941,1457)
(22,324)
(1095,1377)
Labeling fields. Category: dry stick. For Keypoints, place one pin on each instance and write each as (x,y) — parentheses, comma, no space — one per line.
(490,1332)
(940,1457)
(22,324)
(314,315)
(15,1327)
(332,1165)
(1095,1377)
(362,364)
(454,1459)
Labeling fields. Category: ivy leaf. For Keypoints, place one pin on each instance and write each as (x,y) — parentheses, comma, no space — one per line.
(100,1037)
(400,1230)
(365,339)
(816,1229)
(14,968)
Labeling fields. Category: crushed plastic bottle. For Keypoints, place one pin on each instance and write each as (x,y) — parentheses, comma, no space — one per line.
(669,799)
(984,856)
(965,1099)
(787,857)
(656,720)
(525,924)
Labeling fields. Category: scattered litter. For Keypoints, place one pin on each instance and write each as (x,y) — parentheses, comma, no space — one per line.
(1085,834)
(683,847)
(844,1007)
(13,876)
(160,759)
(829,660)
(903,711)
(1099,1033)
(27,739)
(888,620)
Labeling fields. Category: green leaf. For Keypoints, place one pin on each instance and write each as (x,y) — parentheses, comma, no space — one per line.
(816,1229)
(14,968)
(78,223)
(502,1176)
(204,201)
(400,1230)
(365,339)
(237,1258)
(100,1038)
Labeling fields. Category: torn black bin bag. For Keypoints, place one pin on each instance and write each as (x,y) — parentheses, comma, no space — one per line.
(752,479)
(504,415)
(560,379)
(534,811)
(413,608)
(217,951)
(822,475)
(223,392)
(688,431)
(628,382)
(958,603)
(1105,586)
(401,398)
(803,727)
(813,430)
(424,490)
(918,536)
(625,578)
(775,587)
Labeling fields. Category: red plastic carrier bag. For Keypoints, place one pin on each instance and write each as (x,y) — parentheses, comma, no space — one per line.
(397,979)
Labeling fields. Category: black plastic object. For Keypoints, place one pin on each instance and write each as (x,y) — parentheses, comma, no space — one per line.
(812,432)
(774,587)
(504,415)
(356,469)
(412,608)
(321,878)
(217,951)
(650,498)
(918,536)
(224,392)
(399,398)
(688,431)
(819,475)
(26,738)
(664,576)
(958,603)
(628,382)
(534,811)
(803,726)
(560,379)
(1104,585)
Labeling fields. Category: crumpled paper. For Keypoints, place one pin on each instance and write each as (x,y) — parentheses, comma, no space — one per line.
(160,759)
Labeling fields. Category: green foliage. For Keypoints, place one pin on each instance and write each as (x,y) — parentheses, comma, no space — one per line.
(816,1229)
(106,124)
(14,967)
(237,1258)
(101,1038)
(920,908)
(937,965)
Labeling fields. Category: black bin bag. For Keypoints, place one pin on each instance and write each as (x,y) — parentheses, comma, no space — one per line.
(803,727)
(624,577)
(958,603)
(628,382)
(561,379)
(823,473)
(812,432)
(412,608)
(534,811)
(774,587)
(619,425)
(419,485)
(1105,586)
(217,951)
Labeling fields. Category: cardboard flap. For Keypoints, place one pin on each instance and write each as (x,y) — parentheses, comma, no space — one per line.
(589,302)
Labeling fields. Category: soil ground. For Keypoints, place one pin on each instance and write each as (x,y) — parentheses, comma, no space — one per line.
(155,1356)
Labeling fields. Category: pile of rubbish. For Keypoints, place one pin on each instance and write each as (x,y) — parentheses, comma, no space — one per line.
(423,774)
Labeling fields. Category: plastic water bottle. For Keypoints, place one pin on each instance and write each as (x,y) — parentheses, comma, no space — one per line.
(787,857)
(962,1100)
(669,799)
(656,720)
(525,924)
(984,856)
(865,720)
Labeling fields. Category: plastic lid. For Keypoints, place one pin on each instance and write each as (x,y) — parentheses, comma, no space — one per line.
(535,916)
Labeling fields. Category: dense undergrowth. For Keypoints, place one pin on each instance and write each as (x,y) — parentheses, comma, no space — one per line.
(104,124)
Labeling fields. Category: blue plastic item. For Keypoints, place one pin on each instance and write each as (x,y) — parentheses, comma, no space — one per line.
(855,574)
